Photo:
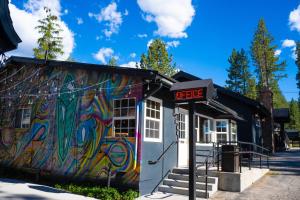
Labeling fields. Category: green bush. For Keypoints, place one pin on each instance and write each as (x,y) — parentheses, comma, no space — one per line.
(130,195)
(99,193)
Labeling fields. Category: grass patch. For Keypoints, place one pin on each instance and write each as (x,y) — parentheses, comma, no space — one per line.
(104,193)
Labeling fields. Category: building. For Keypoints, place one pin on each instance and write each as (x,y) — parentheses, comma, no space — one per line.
(83,121)
(254,113)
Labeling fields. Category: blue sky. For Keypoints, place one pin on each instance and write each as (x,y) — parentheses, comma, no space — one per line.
(201,34)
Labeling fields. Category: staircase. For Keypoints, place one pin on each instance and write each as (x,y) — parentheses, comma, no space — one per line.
(177,182)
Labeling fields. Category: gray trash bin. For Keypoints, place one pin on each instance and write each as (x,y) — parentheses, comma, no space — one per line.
(230,158)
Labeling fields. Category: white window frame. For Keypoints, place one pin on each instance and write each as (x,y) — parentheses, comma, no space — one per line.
(227,128)
(233,133)
(150,139)
(185,113)
(121,118)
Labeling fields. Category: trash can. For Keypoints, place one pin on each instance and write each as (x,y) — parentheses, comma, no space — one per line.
(230,158)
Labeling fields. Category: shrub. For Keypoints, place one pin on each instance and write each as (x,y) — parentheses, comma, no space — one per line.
(99,193)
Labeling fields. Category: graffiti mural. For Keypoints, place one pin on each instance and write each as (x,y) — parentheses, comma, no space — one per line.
(71,132)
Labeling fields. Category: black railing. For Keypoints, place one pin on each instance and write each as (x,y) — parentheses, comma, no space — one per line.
(151,162)
(249,152)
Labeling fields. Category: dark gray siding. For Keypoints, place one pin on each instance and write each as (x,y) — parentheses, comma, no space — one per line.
(151,175)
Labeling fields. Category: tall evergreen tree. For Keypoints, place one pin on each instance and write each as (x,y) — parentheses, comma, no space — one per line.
(268,67)
(239,77)
(50,43)
(294,115)
(113,61)
(298,66)
(158,58)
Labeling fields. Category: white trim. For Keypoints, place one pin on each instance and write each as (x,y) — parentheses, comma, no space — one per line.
(227,129)
(147,139)
(113,134)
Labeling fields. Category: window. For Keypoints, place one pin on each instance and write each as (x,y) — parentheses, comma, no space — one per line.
(153,120)
(207,129)
(23,118)
(181,125)
(221,130)
(233,131)
(124,117)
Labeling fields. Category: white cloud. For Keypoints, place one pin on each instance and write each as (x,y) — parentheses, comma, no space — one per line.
(98,37)
(25,20)
(142,35)
(288,43)
(66,11)
(149,43)
(111,17)
(294,19)
(103,54)
(133,55)
(126,12)
(79,20)
(172,19)
(277,52)
(174,44)
(130,64)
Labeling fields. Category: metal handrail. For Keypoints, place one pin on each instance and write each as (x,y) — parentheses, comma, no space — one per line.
(151,162)
(240,143)
(161,181)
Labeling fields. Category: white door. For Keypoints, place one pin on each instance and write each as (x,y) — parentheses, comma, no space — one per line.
(183,143)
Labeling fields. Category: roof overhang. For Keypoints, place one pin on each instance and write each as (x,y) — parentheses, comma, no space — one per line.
(9,39)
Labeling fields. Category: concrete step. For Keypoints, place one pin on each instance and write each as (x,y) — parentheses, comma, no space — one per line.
(185,184)
(182,191)
(185,177)
(200,172)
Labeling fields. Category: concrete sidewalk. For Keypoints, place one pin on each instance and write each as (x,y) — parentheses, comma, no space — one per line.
(282,182)
(11,189)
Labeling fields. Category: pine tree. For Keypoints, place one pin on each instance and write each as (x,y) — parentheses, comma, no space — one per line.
(298,66)
(279,101)
(239,77)
(158,58)
(294,115)
(251,90)
(268,68)
(50,43)
(113,61)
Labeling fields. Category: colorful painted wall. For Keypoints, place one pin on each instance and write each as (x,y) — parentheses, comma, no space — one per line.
(70,132)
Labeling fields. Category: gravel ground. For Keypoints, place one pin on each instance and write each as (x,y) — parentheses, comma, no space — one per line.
(281,183)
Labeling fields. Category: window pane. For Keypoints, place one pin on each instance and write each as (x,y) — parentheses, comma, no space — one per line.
(124,102)
(124,112)
(148,103)
(124,123)
(152,114)
(132,123)
(117,113)
(152,124)
(156,125)
(147,123)
(117,123)
(157,115)
(131,112)
(131,102)
(131,132)
(157,106)
(116,103)
(148,112)
(147,133)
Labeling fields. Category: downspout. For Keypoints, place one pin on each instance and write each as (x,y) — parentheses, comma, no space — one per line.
(138,128)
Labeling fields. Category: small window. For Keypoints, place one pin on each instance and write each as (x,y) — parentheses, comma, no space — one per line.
(124,117)
(207,129)
(221,126)
(23,118)
(181,125)
(233,131)
(153,121)
(221,130)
